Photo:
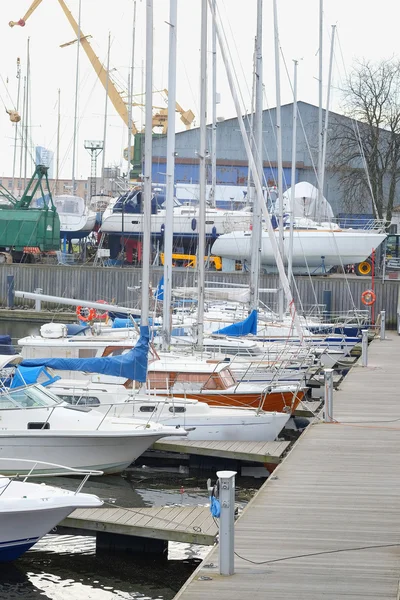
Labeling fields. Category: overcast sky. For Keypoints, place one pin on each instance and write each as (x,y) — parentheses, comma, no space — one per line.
(366,29)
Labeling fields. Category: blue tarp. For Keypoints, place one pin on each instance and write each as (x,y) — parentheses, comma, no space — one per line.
(132,365)
(159,293)
(127,323)
(249,325)
(28,375)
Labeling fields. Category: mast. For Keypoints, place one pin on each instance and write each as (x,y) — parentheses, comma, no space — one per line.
(28,71)
(256,239)
(76,97)
(293,174)
(103,161)
(328,101)
(250,183)
(148,134)
(214,114)
(130,92)
(320,56)
(257,182)
(202,174)
(279,151)
(169,212)
(58,140)
(16,124)
(21,156)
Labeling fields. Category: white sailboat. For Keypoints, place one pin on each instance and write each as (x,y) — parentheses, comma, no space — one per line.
(77,220)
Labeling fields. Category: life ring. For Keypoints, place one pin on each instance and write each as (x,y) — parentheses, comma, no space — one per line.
(368,297)
(85,314)
(103,316)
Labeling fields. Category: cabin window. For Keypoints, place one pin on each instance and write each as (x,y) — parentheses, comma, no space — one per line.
(227,378)
(177,409)
(87,353)
(147,409)
(38,425)
(80,400)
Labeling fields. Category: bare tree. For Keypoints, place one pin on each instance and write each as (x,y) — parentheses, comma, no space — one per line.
(365,148)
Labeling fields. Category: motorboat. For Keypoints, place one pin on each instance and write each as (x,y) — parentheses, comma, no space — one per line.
(76,218)
(36,424)
(28,511)
(203,422)
(125,218)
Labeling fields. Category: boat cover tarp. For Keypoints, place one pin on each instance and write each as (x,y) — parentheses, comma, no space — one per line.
(132,365)
(28,375)
(249,325)
(119,323)
(306,203)
(76,329)
(6,346)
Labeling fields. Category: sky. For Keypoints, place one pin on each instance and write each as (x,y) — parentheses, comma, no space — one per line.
(365,30)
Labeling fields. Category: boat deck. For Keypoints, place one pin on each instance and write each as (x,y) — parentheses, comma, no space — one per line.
(326,524)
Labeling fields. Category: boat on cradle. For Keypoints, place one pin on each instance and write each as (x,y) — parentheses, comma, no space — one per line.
(125,218)
(36,424)
(76,219)
(28,511)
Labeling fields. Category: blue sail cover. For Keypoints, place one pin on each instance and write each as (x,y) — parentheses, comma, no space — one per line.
(28,375)
(132,365)
(249,325)
(159,293)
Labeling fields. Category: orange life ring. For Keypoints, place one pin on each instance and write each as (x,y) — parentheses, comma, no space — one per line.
(85,314)
(368,297)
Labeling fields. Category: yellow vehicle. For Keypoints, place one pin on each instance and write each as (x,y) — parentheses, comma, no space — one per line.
(190,260)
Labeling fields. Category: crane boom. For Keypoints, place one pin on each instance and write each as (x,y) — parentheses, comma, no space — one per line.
(113,93)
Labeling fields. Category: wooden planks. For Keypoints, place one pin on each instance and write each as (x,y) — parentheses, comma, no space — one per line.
(337,491)
(250,451)
(189,524)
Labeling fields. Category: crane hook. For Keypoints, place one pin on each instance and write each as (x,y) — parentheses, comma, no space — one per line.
(21,23)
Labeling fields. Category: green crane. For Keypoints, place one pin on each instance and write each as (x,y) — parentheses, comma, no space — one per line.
(21,225)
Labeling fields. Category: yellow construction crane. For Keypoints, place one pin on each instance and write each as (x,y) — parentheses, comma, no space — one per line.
(159,119)
(113,93)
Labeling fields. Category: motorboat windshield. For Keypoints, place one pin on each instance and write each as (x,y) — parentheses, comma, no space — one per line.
(32,396)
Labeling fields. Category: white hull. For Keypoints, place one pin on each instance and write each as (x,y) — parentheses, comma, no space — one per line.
(186,222)
(309,246)
(77,223)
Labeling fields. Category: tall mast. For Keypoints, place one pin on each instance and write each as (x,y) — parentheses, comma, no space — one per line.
(328,101)
(257,183)
(21,156)
(16,124)
(28,72)
(202,174)
(169,212)
(76,98)
(130,92)
(279,151)
(58,141)
(148,134)
(258,156)
(320,57)
(250,182)
(103,161)
(293,174)
(212,198)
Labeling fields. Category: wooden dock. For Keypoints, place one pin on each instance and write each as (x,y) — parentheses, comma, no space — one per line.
(326,524)
(188,524)
(263,452)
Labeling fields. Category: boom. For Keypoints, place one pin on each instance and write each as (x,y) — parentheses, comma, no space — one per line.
(113,93)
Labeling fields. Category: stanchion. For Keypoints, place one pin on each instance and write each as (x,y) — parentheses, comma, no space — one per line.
(383,324)
(364,346)
(328,373)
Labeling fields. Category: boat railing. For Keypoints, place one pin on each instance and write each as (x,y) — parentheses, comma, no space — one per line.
(340,223)
(59,470)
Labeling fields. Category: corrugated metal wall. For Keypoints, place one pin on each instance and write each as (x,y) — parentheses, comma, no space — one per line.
(92,283)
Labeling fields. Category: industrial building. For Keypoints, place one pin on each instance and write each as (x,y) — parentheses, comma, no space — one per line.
(232,167)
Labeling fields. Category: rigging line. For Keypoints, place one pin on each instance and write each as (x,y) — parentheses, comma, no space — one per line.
(8,93)
(339,550)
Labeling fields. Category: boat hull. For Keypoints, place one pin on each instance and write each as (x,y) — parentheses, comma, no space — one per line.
(285,402)
(83,450)
(312,249)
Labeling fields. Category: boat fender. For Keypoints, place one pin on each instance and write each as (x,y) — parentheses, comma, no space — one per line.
(85,314)
(368,297)
(194,224)
(162,229)
(214,232)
